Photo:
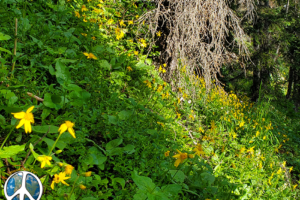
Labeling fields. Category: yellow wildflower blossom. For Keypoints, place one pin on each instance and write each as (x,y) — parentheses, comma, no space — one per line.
(180,157)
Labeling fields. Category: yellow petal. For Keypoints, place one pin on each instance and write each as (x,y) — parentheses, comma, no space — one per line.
(177,162)
(27,126)
(48,162)
(62,128)
(29,109)
(43,164)
(52,185)
(21,123)
(86,54)
(72,132)
(19,115)
(176,156)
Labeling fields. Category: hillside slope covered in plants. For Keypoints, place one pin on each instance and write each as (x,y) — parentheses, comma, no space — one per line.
(85,109)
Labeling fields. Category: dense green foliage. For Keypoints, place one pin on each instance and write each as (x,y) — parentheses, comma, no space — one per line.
(83,62)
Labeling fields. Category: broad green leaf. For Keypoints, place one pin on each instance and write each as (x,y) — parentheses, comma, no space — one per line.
(2,120)
(129,148)
(74,87)
(125,114)
(143,183)
(4,37)
(44,129)
(171,190)
(112,119)
(10,151)
(114,143)
(45,113)
(115,151)
(119,180)
(5,50)
(208,177)
(177,175)
(104,64)
(62,73)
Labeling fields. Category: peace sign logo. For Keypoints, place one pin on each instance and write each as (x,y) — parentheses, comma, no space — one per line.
(23,185)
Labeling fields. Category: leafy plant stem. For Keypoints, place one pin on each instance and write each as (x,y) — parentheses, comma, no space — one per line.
(15,48)
(73,187)
(54,144)
(8,135)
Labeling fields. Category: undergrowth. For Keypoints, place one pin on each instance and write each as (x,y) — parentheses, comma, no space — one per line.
(79,67)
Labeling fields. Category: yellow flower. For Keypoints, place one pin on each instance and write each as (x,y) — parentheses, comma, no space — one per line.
(242,149)
(294,186)
(180,157)
(69,169)
(279,171)
(291,169)
(67,126)
(82,187)
(264,137)
(136,16)
(83,8)
(94,38)
(257,133)
(158,33)
(122,23)
(191,156)
(130,22)
(61,177)
(110,21)
(26,119)
(198,150)
(251,150)
(129,68)
(136,53)
(242,124)
(77,14)
(87,174)
(90,55)
(84,34)
(167,153)
(44,160)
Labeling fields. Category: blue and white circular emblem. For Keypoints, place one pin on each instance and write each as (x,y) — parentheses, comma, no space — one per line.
(23,185)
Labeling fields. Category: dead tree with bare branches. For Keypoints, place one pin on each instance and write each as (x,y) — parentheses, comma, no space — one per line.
(197,33)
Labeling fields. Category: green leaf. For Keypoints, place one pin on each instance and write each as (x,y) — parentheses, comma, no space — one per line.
(10,151)
(45,113)
(143,183)
(4,37)
(177,175)
(104,64)
(115,151)
(74,87)
(208,177)
(44,129)
(119,180)
(129,148)
(62,73)
(33,152)
(114,143)
(171,190)
(5,50)
(125,114)
(2,120)
(112,119)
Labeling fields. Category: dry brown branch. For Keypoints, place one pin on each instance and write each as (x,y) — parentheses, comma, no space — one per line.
(34,96)
(198,34)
